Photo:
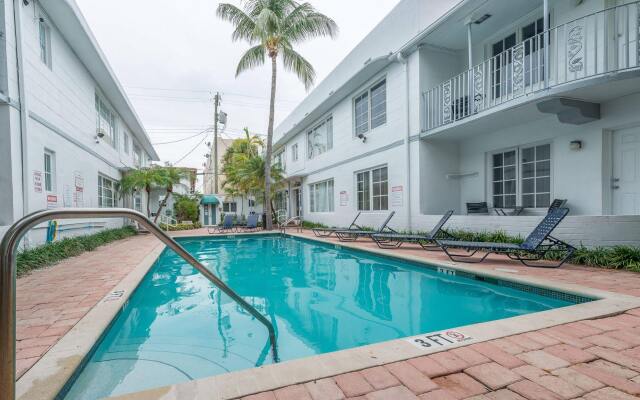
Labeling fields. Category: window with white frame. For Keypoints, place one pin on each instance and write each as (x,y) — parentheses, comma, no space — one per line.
(320,138)
(49,171)
(137,201)
(106,122)
(125,139)
(137,156)
(279,159)
(229,207)
(251,202)
(535,167)
(44,42)
(370,108)
(107,192)
(522,177)
(372,189)
(294,152)
(321,196)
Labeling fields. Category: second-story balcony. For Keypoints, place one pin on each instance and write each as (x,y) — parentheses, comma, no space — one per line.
(601,43)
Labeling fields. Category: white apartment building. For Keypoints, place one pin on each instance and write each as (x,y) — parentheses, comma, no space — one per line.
(513,103)
(67,129)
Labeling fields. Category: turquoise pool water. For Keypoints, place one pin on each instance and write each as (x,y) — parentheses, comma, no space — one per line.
(177,326)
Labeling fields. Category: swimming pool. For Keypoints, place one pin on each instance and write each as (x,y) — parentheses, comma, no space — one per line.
(177,326)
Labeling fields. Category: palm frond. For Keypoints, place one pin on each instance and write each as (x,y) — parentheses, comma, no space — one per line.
(297,64)
(305,23)
(252,58)
(244,24)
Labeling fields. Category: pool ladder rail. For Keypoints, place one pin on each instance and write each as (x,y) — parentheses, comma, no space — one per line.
(8,248)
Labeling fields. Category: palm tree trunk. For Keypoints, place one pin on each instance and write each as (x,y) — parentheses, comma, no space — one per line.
(267,161)
(148,202)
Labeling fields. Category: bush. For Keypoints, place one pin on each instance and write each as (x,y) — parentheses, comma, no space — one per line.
(54,252)
(186,208)
(180,227)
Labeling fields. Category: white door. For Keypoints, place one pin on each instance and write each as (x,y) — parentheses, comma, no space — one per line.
(626,172)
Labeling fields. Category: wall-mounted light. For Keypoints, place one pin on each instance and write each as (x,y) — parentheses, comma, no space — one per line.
(575,145)
(481,19)
(362,137)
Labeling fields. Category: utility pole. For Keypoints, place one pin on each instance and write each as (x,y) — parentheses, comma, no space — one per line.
(216,104)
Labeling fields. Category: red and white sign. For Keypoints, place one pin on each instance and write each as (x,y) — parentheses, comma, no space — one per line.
(344,198)
(397,196)
(52,201)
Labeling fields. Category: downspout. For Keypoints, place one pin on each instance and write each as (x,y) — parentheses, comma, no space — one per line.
(407,145)
(17,23)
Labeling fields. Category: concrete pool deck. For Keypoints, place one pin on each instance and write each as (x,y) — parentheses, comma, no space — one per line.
(594,359)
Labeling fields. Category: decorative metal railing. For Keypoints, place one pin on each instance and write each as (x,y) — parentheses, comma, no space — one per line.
(599,43)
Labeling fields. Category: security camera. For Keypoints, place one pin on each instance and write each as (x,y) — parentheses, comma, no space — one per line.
(362,137)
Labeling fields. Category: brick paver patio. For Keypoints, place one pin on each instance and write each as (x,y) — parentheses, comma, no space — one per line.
(589,360)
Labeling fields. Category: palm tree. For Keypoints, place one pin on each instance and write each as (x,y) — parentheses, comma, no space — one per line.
(169,177)
(272,27)
(142,179)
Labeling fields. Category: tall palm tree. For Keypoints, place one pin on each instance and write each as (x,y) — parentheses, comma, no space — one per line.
(272,27)
(169,176)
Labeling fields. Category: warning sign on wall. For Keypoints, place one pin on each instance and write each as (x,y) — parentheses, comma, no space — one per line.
(344,198)
(397,196)
(37,181)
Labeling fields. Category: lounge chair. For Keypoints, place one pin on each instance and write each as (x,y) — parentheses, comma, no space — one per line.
(557,203)
(227,225)
(478,208)
(534,248)
(252,223)
(427,241)
(293,222)
(326,232)
(350,235)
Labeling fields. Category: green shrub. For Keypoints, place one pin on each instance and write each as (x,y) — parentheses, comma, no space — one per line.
(180,227)
(186,208)
(54,252)
(312,225)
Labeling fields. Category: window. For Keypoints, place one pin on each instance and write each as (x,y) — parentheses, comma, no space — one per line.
(535,164)
(125,138)
(370,108)
(279,159)
(504,179)
(49,171)
(137,201)
(44,42)
(294,152)
(137,156)
(320,138)
(229,207)
(372,189)
(106,122)
(321,196)
(524,174)
(106,192)
(252,203)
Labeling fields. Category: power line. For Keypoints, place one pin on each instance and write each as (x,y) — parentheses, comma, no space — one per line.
(192,150)
(210,91)
(182,140)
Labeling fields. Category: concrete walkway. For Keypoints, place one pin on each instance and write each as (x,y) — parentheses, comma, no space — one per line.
(591,360)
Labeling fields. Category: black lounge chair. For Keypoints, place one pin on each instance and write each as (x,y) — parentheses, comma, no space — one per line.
(427,241)
(478,208)
(350,235)
(534,248)
(326,232)
(557,203)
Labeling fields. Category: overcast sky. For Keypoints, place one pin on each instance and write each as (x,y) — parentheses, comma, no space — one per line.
(172,55)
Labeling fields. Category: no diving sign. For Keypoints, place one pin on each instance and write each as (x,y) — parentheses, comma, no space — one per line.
(439,340)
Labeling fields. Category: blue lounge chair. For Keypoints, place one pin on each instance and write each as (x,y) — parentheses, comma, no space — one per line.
(533,249)
(427,241)
(350,235)
(326,232)
(227,225)
(252,223)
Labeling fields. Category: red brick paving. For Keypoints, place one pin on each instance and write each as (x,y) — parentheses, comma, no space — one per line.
(590,360)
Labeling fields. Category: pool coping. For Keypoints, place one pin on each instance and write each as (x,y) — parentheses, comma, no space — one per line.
(49,375)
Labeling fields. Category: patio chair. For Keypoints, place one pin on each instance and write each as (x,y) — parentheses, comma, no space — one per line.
(478,208)
(535,247)
(350,235)
(326,232)
(426,241)
(252,223)
(557,203)
(293,222)
(227,225)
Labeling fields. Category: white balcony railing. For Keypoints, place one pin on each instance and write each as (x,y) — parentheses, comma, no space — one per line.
(596,44)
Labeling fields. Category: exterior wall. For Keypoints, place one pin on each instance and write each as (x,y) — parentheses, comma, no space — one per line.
(243,208)
(61,117)
(588,231)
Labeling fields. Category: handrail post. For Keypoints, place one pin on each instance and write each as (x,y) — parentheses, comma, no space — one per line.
(8,267)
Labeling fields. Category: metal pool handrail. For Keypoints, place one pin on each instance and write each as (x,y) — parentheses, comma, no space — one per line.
(8,280)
